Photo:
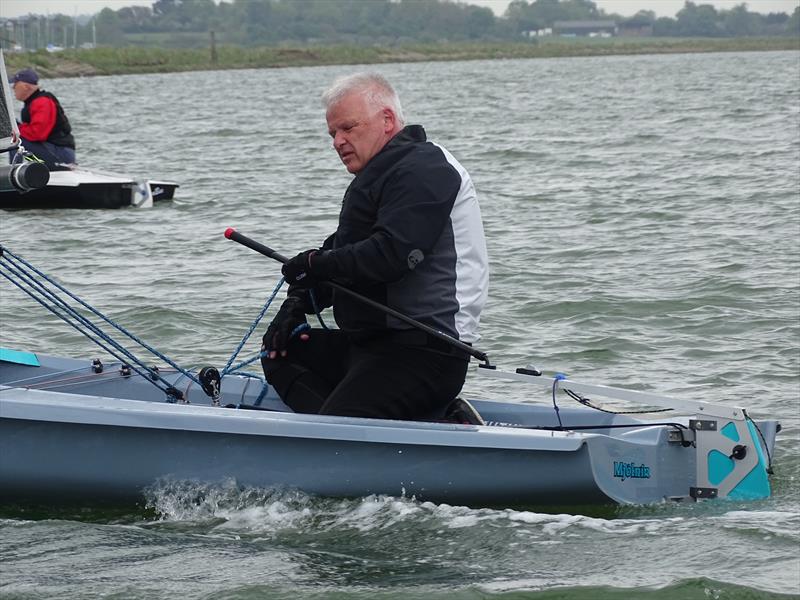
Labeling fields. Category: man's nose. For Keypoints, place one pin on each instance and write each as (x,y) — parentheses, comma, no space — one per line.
(338,140)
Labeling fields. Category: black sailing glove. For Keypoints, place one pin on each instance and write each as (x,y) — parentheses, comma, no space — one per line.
(290,316)
(298,270)
(308,268)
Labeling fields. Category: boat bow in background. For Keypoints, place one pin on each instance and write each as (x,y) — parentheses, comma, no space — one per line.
(26,184)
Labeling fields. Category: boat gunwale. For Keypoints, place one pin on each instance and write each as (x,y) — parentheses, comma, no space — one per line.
(61,407)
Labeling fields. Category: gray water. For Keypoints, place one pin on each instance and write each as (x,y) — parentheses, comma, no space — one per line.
(643,218)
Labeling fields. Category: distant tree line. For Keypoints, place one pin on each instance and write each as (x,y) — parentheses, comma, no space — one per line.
(259,22)
(693,20)
(703,20)
(265,22)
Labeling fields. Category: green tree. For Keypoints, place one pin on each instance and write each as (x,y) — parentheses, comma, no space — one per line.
(641,19)
(543,13)
(257,18)
(698,20)
(164,8)
(793,24)
(135,18)
(550,11)
(666,27)
(109,28)
(522,18)
(740,21)
(479,22)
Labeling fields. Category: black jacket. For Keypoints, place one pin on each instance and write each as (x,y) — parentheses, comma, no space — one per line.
(410,237)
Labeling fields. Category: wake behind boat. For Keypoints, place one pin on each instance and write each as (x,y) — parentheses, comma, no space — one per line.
(110,429)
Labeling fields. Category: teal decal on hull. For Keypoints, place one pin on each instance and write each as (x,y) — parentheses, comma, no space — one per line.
(756,483)
(729,431)
(719,467)
(19,358)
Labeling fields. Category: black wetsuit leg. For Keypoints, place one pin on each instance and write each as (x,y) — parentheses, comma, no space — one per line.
(381,379)
(310,371)
(386,380)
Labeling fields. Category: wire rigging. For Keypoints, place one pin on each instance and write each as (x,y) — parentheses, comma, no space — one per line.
(40,288)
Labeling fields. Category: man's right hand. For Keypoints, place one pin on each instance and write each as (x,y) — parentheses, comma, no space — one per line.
(290,316)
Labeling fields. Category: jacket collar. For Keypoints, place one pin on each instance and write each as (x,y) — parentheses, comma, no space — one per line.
(408,134)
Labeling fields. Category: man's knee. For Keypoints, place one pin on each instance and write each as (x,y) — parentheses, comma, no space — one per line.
(50,154)
(298,387)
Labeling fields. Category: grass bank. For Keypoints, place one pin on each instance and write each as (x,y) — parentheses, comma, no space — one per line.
(117,61)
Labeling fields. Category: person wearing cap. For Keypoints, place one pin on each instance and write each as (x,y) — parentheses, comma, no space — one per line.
(44,128)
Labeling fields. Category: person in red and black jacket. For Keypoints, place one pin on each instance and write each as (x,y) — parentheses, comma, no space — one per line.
(44,128)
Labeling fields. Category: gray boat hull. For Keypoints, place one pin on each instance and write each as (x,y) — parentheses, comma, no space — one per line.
(68,434)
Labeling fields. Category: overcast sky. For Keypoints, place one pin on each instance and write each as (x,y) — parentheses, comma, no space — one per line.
(662,8)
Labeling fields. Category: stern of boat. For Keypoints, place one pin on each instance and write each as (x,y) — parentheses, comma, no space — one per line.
(708,458)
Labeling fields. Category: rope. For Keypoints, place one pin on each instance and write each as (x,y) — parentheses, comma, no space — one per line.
(247,335)
(764,443)
(586,402)
(6,251)
(317,312)
(72,317)
(43,378)
(24,275)
(70,313)
(297,330)
(558,377)
(97,341)
(244,363)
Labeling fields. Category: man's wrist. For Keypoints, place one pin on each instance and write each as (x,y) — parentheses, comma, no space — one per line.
(322,264)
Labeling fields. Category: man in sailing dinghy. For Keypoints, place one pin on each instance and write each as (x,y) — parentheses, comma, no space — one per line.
(410,237)
(44,130)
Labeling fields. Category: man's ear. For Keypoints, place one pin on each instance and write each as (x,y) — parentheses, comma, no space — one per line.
(389,120)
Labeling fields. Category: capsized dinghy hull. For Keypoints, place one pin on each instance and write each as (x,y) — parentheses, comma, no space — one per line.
(69,433)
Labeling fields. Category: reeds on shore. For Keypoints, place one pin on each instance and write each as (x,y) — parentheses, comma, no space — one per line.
(138,59)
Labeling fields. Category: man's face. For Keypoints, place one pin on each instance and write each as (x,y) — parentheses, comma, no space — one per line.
(359,131)
(22,90)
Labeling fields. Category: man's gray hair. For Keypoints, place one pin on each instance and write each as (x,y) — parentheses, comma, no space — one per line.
(376,89)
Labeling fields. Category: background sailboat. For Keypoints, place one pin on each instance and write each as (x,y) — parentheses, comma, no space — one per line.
(29,184)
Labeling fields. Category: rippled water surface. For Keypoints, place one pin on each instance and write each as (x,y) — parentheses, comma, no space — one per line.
(643,217)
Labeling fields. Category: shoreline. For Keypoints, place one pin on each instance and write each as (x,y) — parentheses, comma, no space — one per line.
(140,60)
